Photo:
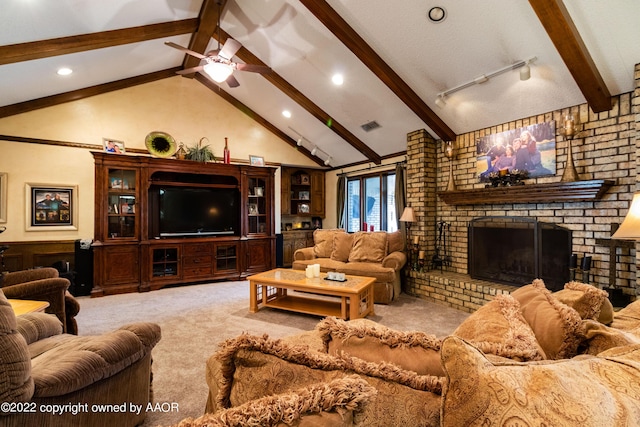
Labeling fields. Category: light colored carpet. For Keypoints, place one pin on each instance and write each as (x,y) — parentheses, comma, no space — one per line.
(195,319)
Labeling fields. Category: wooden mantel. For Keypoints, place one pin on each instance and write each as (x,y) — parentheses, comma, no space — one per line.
(578,191)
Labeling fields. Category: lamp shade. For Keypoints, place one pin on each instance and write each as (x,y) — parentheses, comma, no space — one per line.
(630,227)
(408,215)
(218,71)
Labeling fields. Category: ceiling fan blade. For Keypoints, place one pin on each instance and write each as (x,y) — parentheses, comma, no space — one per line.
(232,82)
(191,70)
(253,68)
(230,48)
(185,50)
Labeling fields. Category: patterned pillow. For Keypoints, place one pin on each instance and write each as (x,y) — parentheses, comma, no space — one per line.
(599,390)
(558,327)
(499,328)
(369,247)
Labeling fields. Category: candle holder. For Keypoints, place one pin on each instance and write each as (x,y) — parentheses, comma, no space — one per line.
(570,131)
(414,256)
(449,152)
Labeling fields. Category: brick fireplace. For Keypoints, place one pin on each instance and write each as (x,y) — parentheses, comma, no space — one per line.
(605,150)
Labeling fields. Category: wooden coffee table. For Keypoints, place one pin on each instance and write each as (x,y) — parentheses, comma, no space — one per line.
(270,289)
(21,306)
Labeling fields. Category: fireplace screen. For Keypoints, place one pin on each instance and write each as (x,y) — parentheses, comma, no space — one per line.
(515,251)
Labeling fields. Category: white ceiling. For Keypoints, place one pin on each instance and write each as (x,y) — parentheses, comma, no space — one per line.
(477,37)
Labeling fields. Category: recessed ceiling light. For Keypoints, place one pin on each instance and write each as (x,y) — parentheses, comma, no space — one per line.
(64,71)
(337,79)
(287,114)
(437,14)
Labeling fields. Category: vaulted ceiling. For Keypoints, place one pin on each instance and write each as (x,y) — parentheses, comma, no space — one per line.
(394,59)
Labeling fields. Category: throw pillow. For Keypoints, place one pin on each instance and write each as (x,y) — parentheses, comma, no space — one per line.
(369,247)
(557,326)
(396,241)
(580,392)
(499,328)
(324,404)
(323,242)
(599,337)
(589,301)
(628,318)
(413,351)
(342,244)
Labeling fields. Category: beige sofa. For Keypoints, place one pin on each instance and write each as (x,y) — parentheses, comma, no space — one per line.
(376,254)
(529,359)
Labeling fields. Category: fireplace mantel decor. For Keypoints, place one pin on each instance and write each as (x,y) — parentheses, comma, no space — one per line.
(578,191)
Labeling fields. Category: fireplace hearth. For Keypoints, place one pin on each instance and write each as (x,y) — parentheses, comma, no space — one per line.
(516,250)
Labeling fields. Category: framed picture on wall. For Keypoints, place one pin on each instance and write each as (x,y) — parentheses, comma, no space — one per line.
(51,207)
(3,196)
(256,160)
(113,146)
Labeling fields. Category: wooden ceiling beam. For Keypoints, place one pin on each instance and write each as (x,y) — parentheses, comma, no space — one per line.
(352,40)
(275,79)
(255,116)
(72,44)
(556,20)
(75,95)
(208,22)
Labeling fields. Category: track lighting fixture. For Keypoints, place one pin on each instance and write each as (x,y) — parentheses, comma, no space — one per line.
(328,161)
(314,151)
(525,74)
(299,142)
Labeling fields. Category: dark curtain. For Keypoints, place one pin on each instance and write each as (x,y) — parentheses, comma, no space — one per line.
(341,201)
(400,196)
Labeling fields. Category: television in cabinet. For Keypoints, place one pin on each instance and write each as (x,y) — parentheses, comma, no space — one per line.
(179,221)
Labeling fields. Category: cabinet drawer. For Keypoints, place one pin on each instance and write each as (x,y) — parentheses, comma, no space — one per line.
(196,248)
(197,261)
(197,271)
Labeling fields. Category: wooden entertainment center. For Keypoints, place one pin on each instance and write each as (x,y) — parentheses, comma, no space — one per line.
(132,255)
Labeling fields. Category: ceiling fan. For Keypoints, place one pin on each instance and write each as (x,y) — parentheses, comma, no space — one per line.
(218,64)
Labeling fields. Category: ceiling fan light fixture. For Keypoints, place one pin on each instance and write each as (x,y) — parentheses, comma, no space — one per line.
(218,71)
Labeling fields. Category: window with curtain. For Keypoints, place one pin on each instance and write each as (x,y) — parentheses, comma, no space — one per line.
(371,202)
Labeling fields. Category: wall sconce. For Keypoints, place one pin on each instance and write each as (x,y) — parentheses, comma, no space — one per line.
(525,74)
(449,152)
(570,131)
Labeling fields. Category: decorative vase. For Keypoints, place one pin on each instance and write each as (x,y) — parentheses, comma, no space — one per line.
(181,152)
(226,153)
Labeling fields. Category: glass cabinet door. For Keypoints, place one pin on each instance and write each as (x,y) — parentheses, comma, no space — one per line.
(121,211)
(257,208)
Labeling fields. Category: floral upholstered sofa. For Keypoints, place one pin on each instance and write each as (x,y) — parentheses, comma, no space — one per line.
(531,358)
(373,254)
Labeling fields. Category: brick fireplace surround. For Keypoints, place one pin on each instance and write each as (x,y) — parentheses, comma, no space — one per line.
(607,148)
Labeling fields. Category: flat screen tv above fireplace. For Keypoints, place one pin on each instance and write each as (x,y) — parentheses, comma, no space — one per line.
(196,211)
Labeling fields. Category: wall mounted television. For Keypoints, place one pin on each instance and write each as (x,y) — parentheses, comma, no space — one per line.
(197,211)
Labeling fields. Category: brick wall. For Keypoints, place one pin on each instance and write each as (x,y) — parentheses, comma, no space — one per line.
(606,148)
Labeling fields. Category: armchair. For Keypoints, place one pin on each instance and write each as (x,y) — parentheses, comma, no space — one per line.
(43,370)
(44,284)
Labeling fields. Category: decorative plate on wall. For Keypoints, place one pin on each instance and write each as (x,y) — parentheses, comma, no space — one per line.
(160,144)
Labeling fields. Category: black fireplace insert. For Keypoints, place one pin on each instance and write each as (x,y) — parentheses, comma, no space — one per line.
(516,250)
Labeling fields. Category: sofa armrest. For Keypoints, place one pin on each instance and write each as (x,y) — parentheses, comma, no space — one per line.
(23,276)
(395,260)
(37,289)
(304,254)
